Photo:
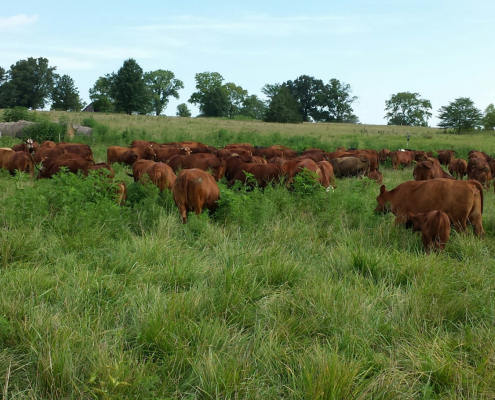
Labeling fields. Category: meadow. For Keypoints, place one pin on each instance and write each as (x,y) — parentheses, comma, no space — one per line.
(298,294)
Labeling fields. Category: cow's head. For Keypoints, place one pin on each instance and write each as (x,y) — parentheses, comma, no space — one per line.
(383,201)
(415,221)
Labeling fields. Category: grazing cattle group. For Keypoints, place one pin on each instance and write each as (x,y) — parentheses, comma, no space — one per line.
(430,203)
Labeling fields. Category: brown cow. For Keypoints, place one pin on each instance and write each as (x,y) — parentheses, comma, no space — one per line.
(383,154)
(125,155)
(73,162)
(376,176)
(350,166)
(193,190)
(479,170)
(166,153)
(78,148)
(233,163)
(458,168)
(263,174)
(399,157)
(162,176)
(462,201)
(429,169)
(225,153)
(445,157)
(434,227)
(21,161)
(5,156)
(46,152)
(300,166)
(140,168)
(100,167)
(21,147)
(327,177)
(186,162)
(268,153)
(215,165)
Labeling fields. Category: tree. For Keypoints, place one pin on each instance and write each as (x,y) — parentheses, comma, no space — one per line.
(211,96)
(489,118)
(128,89)
(335,103)
(459,114)
(236,98)
(183,111)
(29,83)
(283,107)
(65,96)
(306,90)
(405,108)
(100,94)
(162,84)
(253,107)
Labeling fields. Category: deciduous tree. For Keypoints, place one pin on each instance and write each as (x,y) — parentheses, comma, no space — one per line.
(100,94)
(237,95)
(29,83)
(211,96)
(183,111)
(306,90)
(65,96)
(283,107)
(335,103)
(406,108)
(459,114)
(128,89)
(489,118)
(253,107)
(162,84)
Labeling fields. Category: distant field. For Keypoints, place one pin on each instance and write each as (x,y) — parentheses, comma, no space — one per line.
(297,294)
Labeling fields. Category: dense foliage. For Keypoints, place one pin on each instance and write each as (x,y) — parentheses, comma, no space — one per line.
(460,114)
(407,108)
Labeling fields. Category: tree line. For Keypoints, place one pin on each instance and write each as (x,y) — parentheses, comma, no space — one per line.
(33,83)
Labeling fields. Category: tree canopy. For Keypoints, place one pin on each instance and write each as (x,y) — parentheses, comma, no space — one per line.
(65,96)
(283,106)
(128,89)
(307,91)
(406,108)
(28,83)
(162,84)
(335,103)
(183,111)
(100,94)
(212,97)
(489,118)
(460,114)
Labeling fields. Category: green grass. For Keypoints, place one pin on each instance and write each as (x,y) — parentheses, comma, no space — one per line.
(278,294)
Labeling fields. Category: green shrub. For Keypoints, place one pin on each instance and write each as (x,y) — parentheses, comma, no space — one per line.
(17,113)
(45,130)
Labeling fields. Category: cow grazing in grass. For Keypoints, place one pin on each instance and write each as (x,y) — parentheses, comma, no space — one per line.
(434,227)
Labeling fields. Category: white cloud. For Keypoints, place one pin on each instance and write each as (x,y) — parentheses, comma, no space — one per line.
(16,21)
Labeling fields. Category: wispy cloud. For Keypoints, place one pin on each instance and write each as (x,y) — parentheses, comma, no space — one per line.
(16,21)
(258,25)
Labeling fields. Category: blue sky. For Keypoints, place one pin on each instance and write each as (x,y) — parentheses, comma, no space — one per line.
(441,49)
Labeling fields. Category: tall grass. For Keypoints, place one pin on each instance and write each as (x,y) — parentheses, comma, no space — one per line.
(298,294)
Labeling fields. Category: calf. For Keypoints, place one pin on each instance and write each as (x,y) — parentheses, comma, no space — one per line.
(434,226)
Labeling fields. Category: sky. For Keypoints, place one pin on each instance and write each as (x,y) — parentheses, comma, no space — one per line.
(441,49)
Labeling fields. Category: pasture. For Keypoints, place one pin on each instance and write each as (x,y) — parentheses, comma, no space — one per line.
(301,294)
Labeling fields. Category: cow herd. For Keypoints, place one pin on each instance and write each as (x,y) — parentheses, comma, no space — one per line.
(192,169)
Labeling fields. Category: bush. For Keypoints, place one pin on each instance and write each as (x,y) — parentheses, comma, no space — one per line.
(17,113)
(45,130)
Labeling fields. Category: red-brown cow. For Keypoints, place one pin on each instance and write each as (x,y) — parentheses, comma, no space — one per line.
(162,176)
(186,162)
(215,165)
(263,174)
(458,168)
(462,201)
(404,158)
(376,176)
(429,169)
(21,161)
(434,227)
(126,155)
(194,190)
(327,177)
(73,162)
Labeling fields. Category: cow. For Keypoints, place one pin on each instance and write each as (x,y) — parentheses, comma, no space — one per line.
(5,156)
(162,176)
(233,163)
(404,158)
(301,166)
(429,169)
(21,161)
(434,227)
(350,166)
(458,168)
(101,167)
(226,153)
(194,190)
(268,153)
(166,153)
(186,162)
(73,162)
(263,174)
(21,147)
(383,154)
(80,149)
(47,152)
(125,155)
(140,168)
(376,176)
(445,157)
(217,166)
(479,170)
(462,201)
(327,177)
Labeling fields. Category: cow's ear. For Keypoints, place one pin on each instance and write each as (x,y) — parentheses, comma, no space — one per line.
(382,189)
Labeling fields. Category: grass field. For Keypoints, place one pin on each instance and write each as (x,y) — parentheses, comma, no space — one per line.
(278,294)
